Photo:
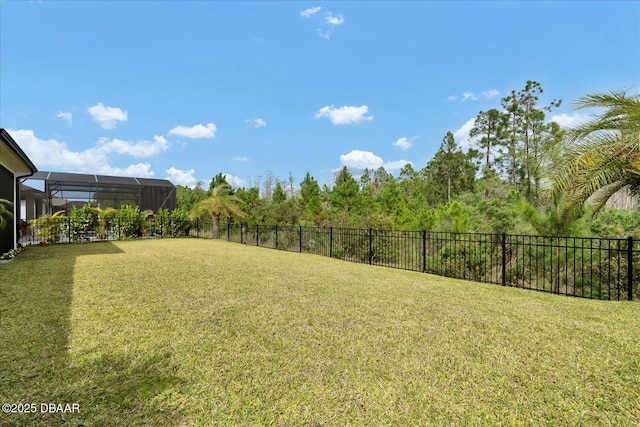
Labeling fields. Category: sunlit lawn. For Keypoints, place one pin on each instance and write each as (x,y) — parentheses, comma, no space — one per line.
(202,332)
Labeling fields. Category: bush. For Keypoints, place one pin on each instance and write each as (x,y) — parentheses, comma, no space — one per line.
(128,222)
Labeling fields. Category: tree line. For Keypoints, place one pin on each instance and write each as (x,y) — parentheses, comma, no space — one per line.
(522,174)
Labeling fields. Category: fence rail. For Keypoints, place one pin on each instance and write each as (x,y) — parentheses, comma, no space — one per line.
(597,268)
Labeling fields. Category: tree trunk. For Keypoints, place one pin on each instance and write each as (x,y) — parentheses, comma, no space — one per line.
(216,226)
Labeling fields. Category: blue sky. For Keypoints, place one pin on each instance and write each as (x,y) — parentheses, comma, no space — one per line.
(185,90)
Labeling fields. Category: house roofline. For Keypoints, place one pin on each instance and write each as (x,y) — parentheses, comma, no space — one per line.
(13,145)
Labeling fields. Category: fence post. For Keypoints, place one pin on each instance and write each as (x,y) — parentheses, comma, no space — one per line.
(228,231)
(370,246)
(300,239)
(257,236)
(276,247)
(69,228)
(630,268)
(241,227)
(424,251)
(504,259)
(330,242)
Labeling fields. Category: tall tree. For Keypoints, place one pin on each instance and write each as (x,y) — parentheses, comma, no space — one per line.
(286,213)
(219,179)
(380,178)
(187,198)
(392,203)
(269,180)
(291,190)
(220,203)
(366,180)
(488,132)
(513,162)
(603,154)
(414,186)
(545,141)
(252,205)
(524,145)
(279,195)
(532,130)
(310,202)
(450,172)
(344,198)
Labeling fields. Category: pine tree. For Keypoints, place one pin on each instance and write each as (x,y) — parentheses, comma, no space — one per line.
(488,131)
(310,203)
(345,198)
(279,195)
(450,172)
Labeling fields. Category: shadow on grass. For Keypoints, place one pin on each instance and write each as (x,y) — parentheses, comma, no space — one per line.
(36,291)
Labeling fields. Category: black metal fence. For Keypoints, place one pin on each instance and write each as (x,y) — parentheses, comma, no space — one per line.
(597,268)
(67,230)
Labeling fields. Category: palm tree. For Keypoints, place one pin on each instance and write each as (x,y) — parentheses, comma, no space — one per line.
(603,154)
(6,213)
(221,202)
(105,220)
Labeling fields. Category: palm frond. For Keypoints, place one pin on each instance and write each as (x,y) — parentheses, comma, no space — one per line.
(602,155)
(221,202)
(6,213)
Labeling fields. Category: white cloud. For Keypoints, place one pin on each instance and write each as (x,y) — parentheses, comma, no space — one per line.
(53,154)
(139,170)
(46,153)
(139,149)
(396,165)
(182,177)
(360,160)
(491,93)
(310,12)
(259,123)
(326,23)
(66,116)
(107,117)
(469,95)
(241,159)
(344,115)
(197,131)
(357,159)
(334,20)
(329,24)
(567,121)
(462,137)
(234,181)
(404,142)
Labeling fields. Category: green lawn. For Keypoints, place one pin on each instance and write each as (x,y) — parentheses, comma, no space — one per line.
(202,332)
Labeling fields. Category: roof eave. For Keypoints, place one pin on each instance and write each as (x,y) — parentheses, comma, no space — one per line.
(13,145)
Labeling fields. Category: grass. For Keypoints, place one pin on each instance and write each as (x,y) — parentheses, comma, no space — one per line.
(202,332)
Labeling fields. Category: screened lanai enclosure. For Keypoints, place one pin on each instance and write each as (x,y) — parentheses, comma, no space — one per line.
(61,191)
